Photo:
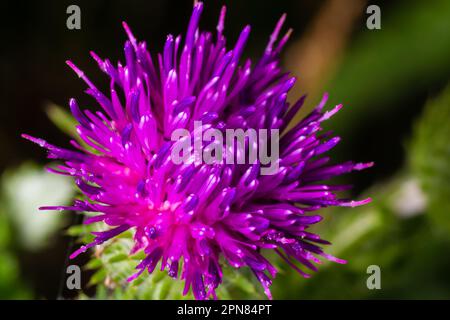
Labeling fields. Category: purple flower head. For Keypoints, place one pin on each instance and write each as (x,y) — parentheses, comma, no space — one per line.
(191,218)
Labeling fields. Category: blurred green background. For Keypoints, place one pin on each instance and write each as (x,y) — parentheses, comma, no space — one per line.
(393,82)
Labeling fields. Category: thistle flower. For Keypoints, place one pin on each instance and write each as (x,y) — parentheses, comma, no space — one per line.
(189,216)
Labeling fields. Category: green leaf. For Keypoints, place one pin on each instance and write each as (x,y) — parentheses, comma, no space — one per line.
(62,118)
(430,157)
(98,277)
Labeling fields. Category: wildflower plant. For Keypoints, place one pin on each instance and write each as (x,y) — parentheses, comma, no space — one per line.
(192,218)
